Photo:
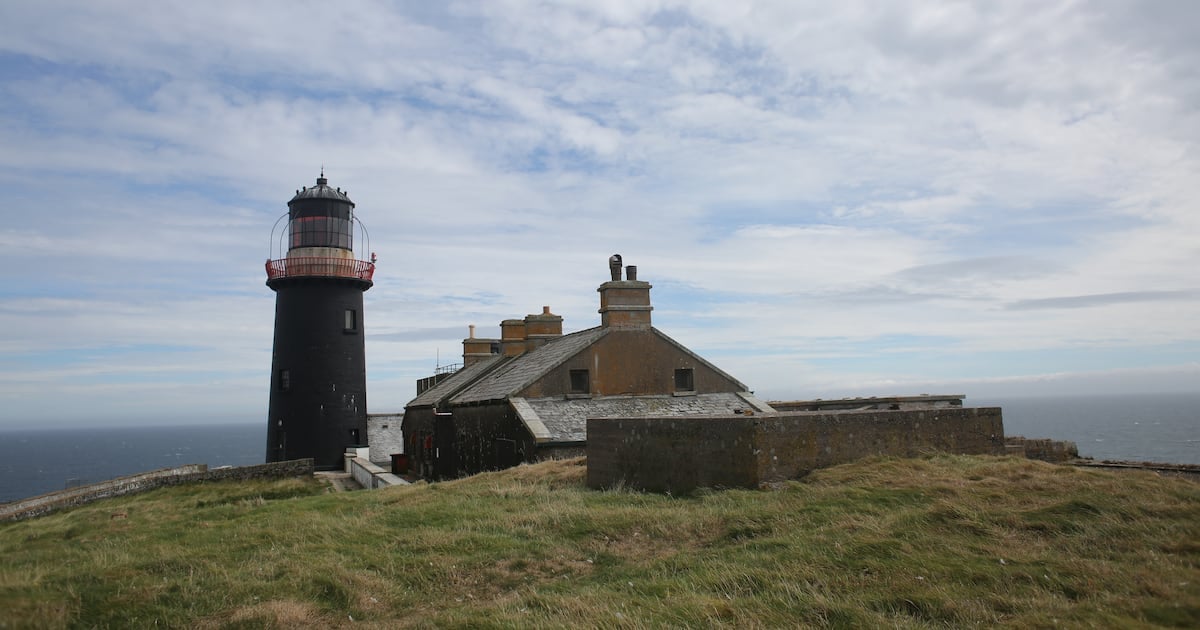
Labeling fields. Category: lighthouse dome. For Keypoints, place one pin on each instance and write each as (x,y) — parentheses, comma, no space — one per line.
(321,191)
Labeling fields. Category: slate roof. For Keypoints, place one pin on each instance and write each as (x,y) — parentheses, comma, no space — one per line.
(455,382)
(566,420)
(523,370)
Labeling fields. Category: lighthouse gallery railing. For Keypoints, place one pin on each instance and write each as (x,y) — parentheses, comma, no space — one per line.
(308,266)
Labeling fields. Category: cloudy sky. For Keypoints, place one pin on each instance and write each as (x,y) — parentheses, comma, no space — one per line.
(830,199)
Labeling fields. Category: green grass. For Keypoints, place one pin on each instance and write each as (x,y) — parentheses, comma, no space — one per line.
(935,542)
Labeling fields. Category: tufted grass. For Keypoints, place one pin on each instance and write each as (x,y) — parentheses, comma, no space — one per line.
(936,542)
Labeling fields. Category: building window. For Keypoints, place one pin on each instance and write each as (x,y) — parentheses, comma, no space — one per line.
(285,380)
(580,384)
(684,381)
(351,321)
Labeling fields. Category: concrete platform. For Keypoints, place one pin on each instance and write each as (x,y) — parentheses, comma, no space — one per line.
(339,481)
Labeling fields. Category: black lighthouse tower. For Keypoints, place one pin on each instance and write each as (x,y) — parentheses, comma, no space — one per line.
(318,365)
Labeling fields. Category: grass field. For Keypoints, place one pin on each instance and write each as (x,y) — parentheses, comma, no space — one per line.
(936,542)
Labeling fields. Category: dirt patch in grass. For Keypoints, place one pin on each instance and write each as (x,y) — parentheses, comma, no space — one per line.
(284,613)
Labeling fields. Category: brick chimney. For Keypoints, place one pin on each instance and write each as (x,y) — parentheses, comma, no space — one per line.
(624,303)
(512,337)
(541,328)
(476,349)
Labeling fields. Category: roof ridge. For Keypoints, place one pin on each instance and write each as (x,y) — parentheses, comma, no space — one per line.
(450,383)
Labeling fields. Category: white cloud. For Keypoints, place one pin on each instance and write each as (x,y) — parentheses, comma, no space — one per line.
(800,181)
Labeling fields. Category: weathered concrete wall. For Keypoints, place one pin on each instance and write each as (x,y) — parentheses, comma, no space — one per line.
(923,401)
(384,436)
(481,437)
(792,445)
(142,482)
(672,454)
(681,454)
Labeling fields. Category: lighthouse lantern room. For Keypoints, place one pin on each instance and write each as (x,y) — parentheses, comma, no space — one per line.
(318,402)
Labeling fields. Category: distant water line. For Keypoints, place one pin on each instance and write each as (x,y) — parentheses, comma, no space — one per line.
(1141,427)
(1134,427)
(34,462)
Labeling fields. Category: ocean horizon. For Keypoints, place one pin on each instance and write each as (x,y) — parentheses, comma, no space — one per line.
(37,461)
(1163,428)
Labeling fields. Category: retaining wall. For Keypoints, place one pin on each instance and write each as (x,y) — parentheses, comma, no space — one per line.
(1042,449)
(142,482)
(681,454)
(371,476)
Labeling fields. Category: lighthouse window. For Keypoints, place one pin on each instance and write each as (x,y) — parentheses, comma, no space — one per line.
(285,380)
(321,232)
(351,323)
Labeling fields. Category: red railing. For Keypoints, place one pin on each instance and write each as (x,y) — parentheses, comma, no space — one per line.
(309,266)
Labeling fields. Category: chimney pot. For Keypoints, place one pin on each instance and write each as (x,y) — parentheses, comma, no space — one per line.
(614,266)
(476,349)
(631,272)
(545,310)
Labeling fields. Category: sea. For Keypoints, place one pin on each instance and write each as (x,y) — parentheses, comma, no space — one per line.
(1162,428)
(37,461)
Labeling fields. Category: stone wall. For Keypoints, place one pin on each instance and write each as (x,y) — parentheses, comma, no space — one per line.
(274,470)
(1186,471)
(1053,451)
(681,454)
(142,482)
(384,436)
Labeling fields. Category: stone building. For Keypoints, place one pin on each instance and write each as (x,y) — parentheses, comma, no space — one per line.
(527,396)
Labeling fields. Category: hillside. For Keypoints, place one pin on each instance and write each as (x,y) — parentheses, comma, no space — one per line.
(941,541)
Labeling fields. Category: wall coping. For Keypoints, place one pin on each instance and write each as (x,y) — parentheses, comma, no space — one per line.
(142,482)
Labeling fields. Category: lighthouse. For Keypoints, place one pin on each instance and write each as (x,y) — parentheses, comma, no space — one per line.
(318,365)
